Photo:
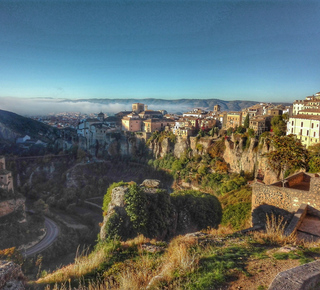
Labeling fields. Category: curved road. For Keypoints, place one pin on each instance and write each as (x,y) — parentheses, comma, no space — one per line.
(51,234)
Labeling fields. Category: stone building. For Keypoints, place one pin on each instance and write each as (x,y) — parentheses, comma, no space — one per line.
(152,125)
(149,114)
(138,107)
(234,120)
(6,181)
(305,127)
(260,124)
(132,123)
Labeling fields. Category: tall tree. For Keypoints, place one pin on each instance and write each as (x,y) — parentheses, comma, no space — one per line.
(288,153)
(279,124)
(246,122)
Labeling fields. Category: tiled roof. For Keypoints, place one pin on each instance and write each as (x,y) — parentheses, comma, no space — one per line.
(310,111)
(309,117)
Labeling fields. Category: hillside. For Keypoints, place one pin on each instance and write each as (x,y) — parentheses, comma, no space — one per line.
(13,126)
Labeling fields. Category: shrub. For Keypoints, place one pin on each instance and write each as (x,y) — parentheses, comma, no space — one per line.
(236,215)
(136,208)
(204,209)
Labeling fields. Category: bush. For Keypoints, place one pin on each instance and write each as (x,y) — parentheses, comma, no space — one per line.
(236,215)
(136,208)
(204,209)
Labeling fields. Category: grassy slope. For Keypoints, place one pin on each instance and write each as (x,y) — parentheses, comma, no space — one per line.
(208,260)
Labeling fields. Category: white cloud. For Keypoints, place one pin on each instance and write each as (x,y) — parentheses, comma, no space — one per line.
(35,107)
(41,106)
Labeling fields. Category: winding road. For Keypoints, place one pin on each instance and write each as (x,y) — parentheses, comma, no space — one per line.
(52,233)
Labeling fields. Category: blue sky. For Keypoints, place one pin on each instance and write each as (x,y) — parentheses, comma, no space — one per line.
(249,50)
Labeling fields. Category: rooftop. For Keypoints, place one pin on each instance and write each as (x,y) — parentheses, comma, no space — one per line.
(303,116)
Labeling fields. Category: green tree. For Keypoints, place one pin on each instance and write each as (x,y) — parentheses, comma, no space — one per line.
(40,207)
(201,133)
(288,153)
(241,130)
(246,122)
(279,125)
(314,162)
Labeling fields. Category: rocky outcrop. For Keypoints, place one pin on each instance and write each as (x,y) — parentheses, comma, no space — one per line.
(251,159)
(11,276)
(166,217)
(12,205)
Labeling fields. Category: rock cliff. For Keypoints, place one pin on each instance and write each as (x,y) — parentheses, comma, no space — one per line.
(249,159)
(13,205)
(164,215)
(11,276)
(236,154)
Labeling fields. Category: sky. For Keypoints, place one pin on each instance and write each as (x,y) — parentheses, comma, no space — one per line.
(230,50)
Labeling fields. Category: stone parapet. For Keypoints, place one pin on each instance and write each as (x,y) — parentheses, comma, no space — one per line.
(286,198)
(303,277)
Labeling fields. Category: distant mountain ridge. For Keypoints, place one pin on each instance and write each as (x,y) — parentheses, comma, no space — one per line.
(178,105)
(13,126)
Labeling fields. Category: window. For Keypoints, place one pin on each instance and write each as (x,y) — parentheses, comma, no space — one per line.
(291,130)
(300,131)
(301,124)
(292,123)
(307,132)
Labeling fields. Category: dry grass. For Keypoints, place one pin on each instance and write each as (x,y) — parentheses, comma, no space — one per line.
(82,265)
(139,275)
(221,231)
(92,285)
(139,240)
(179,258)
(274,233)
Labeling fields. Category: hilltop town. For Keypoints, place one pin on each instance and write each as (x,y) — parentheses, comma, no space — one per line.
(302,120)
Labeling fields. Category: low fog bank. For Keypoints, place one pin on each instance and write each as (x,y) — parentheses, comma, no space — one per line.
(41,107)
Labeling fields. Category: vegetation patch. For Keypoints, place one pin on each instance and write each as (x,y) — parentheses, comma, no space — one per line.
(236,208)
(204,209)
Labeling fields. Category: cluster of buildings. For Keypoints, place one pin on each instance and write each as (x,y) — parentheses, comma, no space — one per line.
(305,120)
(61,120)
(26,142)
(144,121)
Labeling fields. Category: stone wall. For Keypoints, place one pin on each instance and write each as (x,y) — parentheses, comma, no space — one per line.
(286,198)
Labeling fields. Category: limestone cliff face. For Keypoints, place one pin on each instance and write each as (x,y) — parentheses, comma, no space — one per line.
(249,159)
(12,205)
(115,145)
(11,276)
(177,148)
(237,157)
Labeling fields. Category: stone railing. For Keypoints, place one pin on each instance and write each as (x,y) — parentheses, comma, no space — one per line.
(305,277)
